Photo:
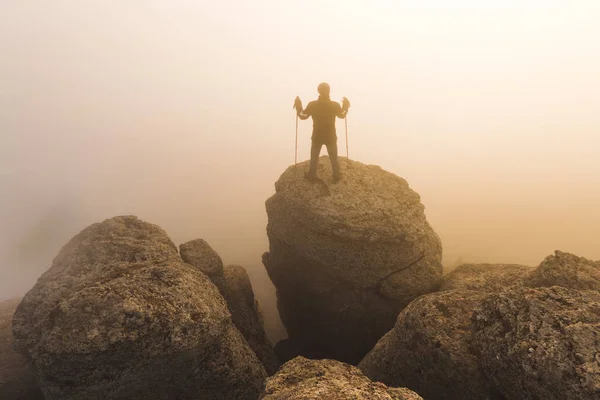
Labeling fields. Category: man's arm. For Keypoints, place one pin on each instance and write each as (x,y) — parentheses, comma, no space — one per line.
(344,108)
(302,114)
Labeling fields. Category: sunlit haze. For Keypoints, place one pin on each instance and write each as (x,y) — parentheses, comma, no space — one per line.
(180,112)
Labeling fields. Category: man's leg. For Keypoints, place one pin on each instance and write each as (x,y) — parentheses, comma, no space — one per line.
(315,152)
(332,150)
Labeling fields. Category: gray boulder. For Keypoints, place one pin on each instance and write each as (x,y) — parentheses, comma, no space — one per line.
(487,278)
(17,376)
(566,270)
(303,379)
(119,315)
(541,343)
(429,350)
(345,258)
(199,254)
(237,290)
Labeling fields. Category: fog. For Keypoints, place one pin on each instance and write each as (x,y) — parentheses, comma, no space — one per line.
(180,112)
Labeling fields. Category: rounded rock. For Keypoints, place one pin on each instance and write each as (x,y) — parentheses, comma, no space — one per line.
(302,378)
(119,315)
(199,254)
(540,343)
(347,257)
(566,270)
(429,350)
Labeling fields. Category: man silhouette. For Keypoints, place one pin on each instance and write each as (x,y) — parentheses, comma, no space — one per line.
(323,112)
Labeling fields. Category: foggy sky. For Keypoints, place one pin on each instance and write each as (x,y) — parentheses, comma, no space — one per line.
(180,112)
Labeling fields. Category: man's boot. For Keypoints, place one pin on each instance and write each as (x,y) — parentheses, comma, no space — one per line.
(312,178)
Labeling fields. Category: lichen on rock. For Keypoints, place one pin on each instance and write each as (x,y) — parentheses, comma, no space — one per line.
(429,349)
(485,277)
(540,343)
(119,315)
(566,270)
(304,379)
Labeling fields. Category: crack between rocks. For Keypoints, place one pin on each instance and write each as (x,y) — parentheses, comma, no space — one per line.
(403,268)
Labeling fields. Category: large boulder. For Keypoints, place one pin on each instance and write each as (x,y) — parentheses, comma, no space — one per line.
(304,379)
(199,254)
(429,349)
(237,290)
(487,278)
(119,315)
(346,258)
(541,343)
(17,376)
(566,270)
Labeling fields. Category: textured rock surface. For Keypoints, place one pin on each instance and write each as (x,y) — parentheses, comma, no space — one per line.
(237,290)
(199,254)
(485,277)
(303,379)
(429,349)
(119,315)
(347,257)
(541,343)
(566,270)
(17,377)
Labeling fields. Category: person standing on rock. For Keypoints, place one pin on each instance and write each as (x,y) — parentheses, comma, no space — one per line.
(323,112)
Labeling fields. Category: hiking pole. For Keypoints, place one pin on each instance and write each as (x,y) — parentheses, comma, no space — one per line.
(346,124)
(296,152)
(298,108)
(345,106)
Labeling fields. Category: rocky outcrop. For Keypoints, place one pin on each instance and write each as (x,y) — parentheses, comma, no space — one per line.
(234,285)
(487,278)
(119,315)
(17,376)
(199,254)
(541,343)
(302,379)
(346,258)
(245,312)
(566,270)
(429,349)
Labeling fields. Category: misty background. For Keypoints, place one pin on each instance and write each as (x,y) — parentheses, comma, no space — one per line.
(180,112)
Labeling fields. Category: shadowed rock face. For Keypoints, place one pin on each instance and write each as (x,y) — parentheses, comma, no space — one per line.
(566,270)
(346,258)
(487,278)
(304,379)
(429,349)
(235,287)
(119,315)
(541,343)
(17,376)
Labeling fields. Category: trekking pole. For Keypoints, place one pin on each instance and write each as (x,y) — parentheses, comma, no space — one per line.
(296,152)
(346,124)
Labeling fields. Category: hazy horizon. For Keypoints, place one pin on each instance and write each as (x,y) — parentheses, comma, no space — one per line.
(181,113)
